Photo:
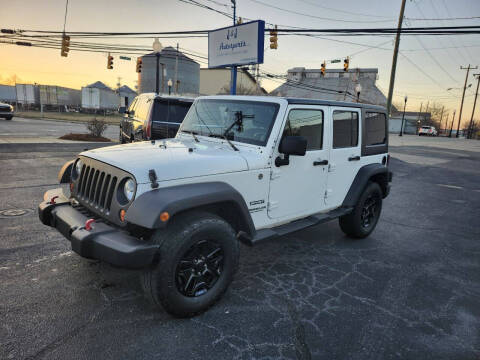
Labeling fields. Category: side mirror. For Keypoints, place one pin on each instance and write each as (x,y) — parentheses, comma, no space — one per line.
(122,110)
(291,145)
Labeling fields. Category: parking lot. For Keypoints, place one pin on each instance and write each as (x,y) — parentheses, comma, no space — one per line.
(410,290)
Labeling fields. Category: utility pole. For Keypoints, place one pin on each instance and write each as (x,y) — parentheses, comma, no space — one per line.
(233,78)
(394,60)
(176,72)
(470,125)
(463,96)
(451,127)
(441,118)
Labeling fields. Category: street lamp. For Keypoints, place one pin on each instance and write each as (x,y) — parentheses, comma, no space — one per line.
(169,83)
(358,90)
(403,116)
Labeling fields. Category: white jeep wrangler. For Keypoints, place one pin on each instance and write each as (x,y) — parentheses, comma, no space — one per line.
(240,168)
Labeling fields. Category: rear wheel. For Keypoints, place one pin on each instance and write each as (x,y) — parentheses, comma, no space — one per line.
(364,217)
(121,138)
(198,258)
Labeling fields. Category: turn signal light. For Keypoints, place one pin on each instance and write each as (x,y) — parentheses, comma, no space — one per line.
(122,215)
(71,187)
(164,216)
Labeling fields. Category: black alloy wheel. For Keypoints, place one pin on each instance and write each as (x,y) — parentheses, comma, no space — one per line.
(370,210)
(199,268)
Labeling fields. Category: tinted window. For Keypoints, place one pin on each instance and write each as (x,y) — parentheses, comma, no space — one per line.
(142,108)
(307,123)
(132,105)
(345,129)
(170,111)
(375,128)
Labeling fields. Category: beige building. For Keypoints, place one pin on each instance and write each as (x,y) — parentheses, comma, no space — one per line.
(217,81)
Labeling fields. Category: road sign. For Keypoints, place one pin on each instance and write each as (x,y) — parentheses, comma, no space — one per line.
(335,61)
(236,45)
(125,58)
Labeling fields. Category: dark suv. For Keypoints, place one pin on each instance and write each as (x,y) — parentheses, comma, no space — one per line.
(6,111)
(152,117)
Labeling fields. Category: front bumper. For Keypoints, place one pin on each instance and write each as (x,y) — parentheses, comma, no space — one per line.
(6,113)
(102,242)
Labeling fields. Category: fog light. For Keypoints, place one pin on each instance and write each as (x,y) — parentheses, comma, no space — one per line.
(122,215)
(164,216)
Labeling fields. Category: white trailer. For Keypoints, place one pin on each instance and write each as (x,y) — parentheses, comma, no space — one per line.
(27,94)
(96,98)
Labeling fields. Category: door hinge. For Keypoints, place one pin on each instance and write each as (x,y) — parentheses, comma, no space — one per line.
(275,174)
(272,205)
(328,193)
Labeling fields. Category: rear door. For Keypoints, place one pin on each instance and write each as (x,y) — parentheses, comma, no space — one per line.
(297,189)
(345,153)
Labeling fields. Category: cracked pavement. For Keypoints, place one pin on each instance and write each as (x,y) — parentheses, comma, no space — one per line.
(411,290)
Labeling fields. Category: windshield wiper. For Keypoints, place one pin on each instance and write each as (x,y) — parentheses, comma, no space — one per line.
(194,134)
(239,122)
(225,138)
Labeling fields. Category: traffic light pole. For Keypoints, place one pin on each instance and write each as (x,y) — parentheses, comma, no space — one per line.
(233,78)
(395,55)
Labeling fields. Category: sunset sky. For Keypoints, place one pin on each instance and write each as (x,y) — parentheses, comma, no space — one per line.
(424,75)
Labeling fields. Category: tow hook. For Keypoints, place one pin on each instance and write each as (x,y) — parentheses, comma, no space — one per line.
(88,224)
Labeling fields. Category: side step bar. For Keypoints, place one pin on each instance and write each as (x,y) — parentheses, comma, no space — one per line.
(297,225)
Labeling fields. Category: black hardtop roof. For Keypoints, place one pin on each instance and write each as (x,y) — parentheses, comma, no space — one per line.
(305,101)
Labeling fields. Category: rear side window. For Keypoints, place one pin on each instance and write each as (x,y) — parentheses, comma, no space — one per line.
(307,123)
(170,111)
(375,128)
(142,108)
(345,129)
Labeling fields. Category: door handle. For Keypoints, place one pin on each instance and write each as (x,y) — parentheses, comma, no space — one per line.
(354,158)
(322,162)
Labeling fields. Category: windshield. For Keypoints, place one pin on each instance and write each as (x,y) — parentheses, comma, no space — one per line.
(211,117)
(170,111)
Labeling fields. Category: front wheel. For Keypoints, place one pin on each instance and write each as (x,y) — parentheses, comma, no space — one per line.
(364,217)
(198,257)
(9,118)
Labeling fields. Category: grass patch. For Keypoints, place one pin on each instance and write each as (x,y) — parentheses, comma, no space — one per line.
(71,117)
(84,137)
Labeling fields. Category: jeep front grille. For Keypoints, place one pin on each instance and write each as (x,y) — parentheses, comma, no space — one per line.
(96,188)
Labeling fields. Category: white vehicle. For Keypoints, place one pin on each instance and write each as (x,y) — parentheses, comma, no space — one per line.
(240,168)
(427,131)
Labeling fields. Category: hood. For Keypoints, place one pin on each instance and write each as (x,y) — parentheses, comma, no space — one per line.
(171,159)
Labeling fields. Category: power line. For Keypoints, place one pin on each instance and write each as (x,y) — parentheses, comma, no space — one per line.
(345,12)
(314,16)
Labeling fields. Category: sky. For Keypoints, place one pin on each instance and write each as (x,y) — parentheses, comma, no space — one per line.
(427,65)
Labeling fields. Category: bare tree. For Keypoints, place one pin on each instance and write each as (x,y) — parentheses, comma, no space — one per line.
(241,90)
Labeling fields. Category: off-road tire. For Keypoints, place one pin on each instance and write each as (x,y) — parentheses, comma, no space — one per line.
(159,282)
(352,224)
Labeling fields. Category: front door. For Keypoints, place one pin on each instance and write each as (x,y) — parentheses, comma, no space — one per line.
(298,189)
(345,153)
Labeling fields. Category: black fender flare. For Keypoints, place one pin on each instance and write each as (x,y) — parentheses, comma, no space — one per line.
(65,173)
(146,209)
(379,172)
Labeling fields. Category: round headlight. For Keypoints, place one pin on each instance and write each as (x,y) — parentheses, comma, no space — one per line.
(129,189)
(78,167)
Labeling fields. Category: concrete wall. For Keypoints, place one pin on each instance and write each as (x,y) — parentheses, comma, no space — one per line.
(214,81)
(188,74)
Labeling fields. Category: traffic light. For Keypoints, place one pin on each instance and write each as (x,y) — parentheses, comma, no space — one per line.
(346,63)
(65,45)
(110,61)
(273,38)
(323,68)
(139,65)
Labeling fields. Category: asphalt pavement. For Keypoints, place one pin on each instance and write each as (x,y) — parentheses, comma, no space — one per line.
(409,291)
